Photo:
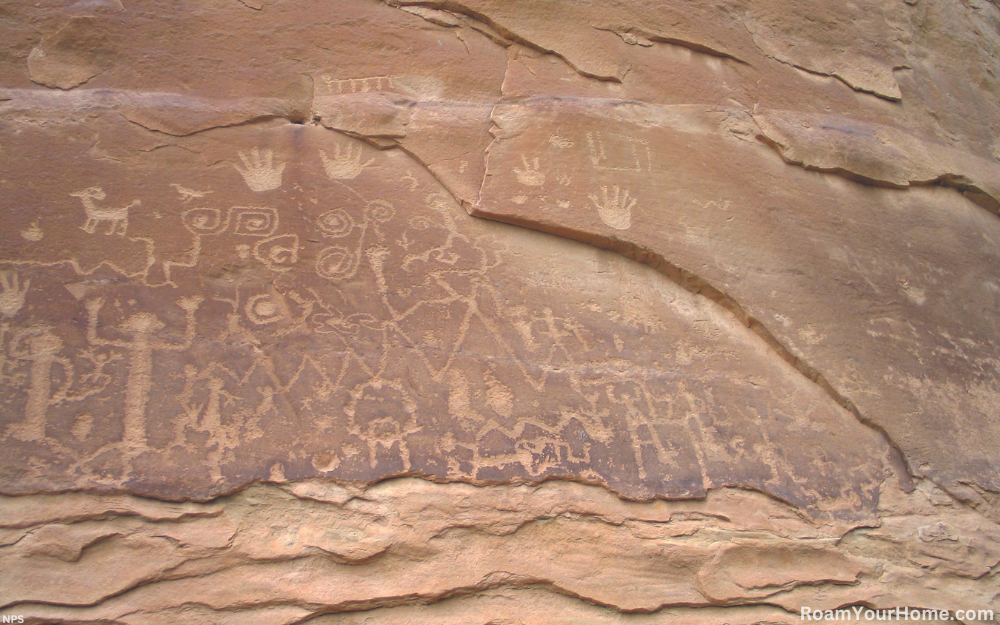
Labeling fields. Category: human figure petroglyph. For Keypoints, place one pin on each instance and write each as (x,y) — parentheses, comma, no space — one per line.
(638,406)
(40,346)
(615,208)
(42,350)
(346,162)
(259,170)
(627,153)
(118,217)
(531,174)
(189,194)
(12,293)
(140,327)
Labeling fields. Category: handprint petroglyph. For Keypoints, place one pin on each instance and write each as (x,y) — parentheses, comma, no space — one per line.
(259,170)
(530,175)
(346,162)
(95,214)
(615,208)
(12,294)
(32,232)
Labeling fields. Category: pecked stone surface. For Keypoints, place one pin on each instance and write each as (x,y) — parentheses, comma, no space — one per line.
(311,306)
(748,364)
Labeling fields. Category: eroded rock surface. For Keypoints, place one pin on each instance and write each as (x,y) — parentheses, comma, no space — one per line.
(733,351)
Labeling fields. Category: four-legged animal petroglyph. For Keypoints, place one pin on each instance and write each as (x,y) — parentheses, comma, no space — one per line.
(95,214)
(615,208)
(140,327)
(12,294)
(259,170)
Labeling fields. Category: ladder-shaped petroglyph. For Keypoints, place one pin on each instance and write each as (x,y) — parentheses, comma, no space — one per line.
(336,86)
(617,152)
(346,162)
(413,86)
(142,328)
(12,293)
(117,217)
(259,170)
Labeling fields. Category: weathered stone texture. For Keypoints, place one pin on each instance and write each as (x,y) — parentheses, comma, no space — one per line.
(498,312)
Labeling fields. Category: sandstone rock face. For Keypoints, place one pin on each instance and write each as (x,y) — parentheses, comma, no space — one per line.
(498,312)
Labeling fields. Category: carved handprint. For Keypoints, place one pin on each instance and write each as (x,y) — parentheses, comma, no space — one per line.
(530,175)
(614,208)
(259,170)
(13,293)
(346,162)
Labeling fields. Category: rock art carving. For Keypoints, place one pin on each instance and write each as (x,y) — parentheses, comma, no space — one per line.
(189,194)
(141,327)
(336,223)
(602,442)
(337,262)
(356,85)
(32,232)
(614,208)
(117,217)
(530,175)
(618,152)
(12,293)
(259,170)
(346,162)
(279,252)
(41,349)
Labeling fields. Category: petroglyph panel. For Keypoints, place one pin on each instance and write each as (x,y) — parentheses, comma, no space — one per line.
(686,197)
(237,259)
(362,327)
